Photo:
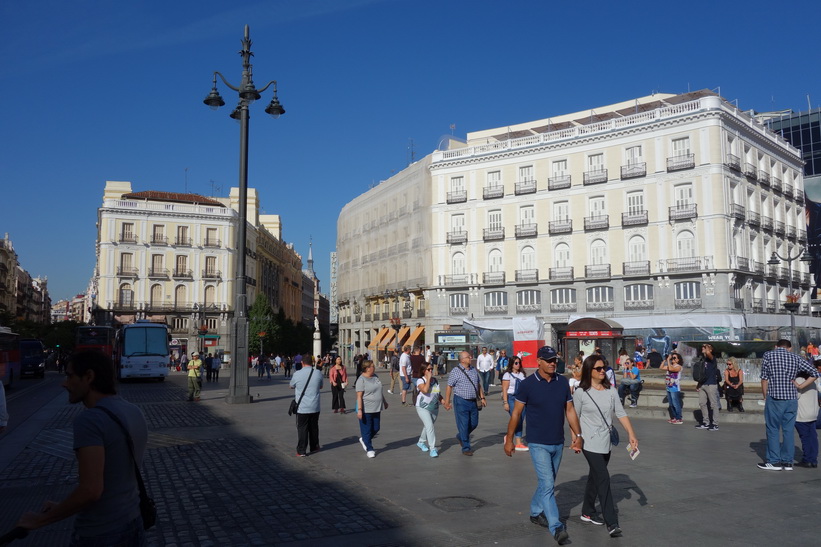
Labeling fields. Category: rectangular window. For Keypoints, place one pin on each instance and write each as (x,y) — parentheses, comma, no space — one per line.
(180,323)
(182,235)
(457,184)
(634,155)
(596,205)
(527,215)
(496,298)
(211,264)
(526,173)
(158,232)
(595,162)
(182,263)
(494,219)
(457,223)
(561,211)
(684,195)
(494,179)
(126,260)
(559,168)
(459,300)
(681,147)
(156,262)
(128,231)
(688,290)
(211,236)
(635,202)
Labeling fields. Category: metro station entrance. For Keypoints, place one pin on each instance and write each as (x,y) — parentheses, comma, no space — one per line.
(588,333)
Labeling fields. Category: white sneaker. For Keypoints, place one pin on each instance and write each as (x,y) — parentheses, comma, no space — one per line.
(371,454)
(391,392)
(363,444)
(769,467)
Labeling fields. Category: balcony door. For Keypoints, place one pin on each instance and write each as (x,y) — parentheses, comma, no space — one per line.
(561,255)
(597,209)
(527,215)
(598,253)
(495,261)
(635,203)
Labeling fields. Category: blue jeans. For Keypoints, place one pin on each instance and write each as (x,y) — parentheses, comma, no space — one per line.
(546,459)
(779,414)
(809,441)
(485,378)
(130,535)
(520,426)
(368,427)
(674,400)
(467,418)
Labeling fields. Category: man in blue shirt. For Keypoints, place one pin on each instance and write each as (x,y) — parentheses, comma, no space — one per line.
(546,395)
(465,390)
(306,383)
(778,371)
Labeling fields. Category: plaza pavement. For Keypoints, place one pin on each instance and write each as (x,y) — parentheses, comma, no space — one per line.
(227,475)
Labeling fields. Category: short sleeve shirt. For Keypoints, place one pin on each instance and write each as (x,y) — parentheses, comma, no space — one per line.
(546,404)
(371,389)
(310,402)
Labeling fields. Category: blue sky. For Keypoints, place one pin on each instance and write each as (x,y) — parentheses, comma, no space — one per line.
(98,90)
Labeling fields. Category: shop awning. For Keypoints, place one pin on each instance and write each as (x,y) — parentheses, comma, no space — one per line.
(403,335)
(387,339)
(382,332)
(417,332)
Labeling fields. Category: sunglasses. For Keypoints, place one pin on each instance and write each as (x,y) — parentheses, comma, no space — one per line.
(599,369)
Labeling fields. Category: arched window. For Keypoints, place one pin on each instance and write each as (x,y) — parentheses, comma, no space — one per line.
(527,258)
(126,295)
(180,293)
(458,264)
(685,244)
(494,260)
(156,295)
(561,255)
(210,295)
(598,252)
(637,249)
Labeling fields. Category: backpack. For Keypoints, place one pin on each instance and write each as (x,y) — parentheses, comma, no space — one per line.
(699,371)
(395,363)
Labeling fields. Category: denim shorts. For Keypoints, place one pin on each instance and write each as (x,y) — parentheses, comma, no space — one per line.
(407,386)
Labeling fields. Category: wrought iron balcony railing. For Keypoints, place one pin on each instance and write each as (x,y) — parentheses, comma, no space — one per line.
(678,163)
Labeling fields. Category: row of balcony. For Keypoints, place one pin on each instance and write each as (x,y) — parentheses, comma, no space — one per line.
(563,181)
(164,273)
(179,307)
(766,223)
(758,306)
(178,242)
(640,268)
(751,172)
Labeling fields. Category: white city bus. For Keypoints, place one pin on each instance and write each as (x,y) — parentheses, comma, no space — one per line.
(141,350)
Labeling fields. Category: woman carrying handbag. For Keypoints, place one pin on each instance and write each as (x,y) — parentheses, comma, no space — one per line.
(596,401)
(339,381)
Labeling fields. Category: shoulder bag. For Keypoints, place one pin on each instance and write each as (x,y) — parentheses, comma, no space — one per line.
(148,509)
(294,406)
(475,386)
(614,433)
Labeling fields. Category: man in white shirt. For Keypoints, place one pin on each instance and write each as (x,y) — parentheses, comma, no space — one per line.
(484,366)
(406,373)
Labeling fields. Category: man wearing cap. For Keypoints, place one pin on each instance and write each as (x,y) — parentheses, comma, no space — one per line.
(465,392)
(546,396)
(194,380)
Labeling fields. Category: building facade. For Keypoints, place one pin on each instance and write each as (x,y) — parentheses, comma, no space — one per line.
(21,295)
(660,214)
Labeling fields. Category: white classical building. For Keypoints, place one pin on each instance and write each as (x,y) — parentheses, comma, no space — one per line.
(658,214)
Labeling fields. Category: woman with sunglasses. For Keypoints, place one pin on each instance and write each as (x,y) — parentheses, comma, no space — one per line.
(734,386)
(514,373)
(672,365)
(427,408)
(596,401)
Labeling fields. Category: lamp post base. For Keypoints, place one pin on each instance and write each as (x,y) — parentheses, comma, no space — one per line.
(238,385)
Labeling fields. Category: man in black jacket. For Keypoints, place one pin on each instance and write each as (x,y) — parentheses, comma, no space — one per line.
(707,377)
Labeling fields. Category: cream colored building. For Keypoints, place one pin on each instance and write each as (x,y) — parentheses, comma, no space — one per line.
(659,213)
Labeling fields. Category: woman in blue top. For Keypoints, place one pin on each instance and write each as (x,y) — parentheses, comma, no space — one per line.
(673,380)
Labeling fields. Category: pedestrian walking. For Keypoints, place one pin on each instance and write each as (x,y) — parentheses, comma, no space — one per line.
(369,405)
(110,436)
(546,396)
(216,365)
(427,408)
(779,370)
(306,383)
(394,370)
(287,364)
(514,374)
(208,367)
(484,366)
(338,377)
(465,396)
(596,401)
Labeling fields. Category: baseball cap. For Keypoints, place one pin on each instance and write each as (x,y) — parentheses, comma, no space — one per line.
(547,353)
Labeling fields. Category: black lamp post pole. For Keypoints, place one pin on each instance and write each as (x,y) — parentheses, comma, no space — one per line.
(238,385)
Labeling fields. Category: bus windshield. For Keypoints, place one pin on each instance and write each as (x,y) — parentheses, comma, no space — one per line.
(145,341)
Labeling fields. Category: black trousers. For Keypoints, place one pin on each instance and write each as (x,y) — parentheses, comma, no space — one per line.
(307,427)
(338,397)
(598,485)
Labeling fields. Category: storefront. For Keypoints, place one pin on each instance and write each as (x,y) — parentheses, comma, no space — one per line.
(588,333)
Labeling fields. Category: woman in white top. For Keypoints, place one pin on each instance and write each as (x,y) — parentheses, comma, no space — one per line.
(514,373)
(427,408)
(596,401)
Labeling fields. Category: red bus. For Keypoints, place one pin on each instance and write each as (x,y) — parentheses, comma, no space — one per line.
(95,338)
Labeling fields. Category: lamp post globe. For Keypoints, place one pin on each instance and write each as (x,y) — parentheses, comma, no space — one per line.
(247,93)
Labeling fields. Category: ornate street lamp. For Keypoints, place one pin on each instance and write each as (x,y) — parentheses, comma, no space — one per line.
(238,385)
(791,306)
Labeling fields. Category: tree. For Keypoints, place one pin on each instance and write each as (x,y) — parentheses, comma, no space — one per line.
(262,321)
